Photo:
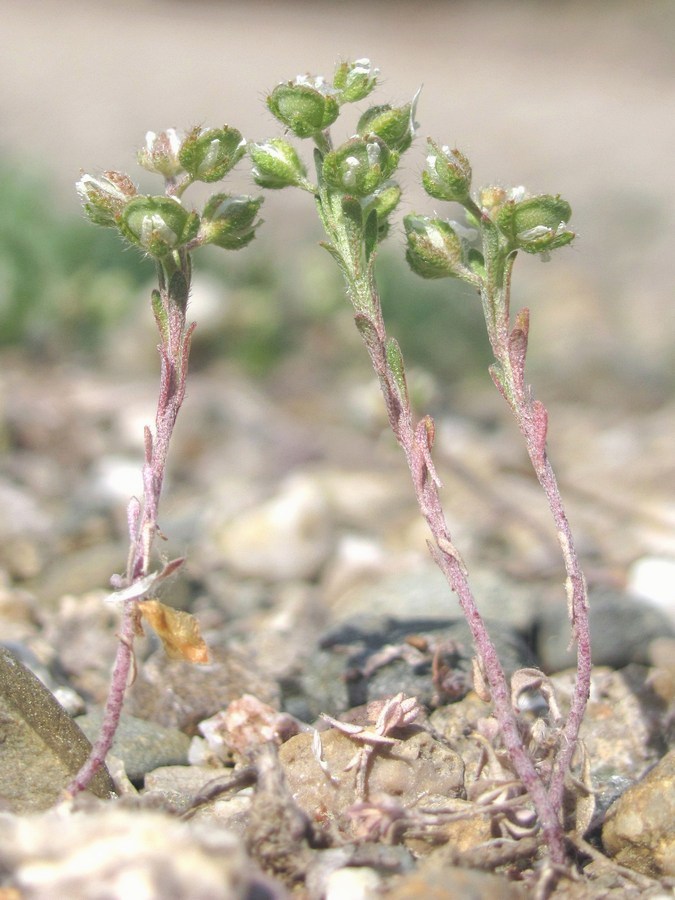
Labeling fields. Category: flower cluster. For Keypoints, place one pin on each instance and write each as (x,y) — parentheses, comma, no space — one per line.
(440,248)
(161,224)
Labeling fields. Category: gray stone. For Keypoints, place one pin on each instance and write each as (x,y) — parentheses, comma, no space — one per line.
(141,745)
(41,748)
(374,656)
(622,628)
(423,592)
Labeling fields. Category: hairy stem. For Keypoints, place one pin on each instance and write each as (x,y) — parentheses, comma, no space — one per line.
(416,444)
(509,346)
(578,611)
(143,525)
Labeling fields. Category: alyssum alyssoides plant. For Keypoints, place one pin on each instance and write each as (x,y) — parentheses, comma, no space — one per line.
(163,228)
(355,194)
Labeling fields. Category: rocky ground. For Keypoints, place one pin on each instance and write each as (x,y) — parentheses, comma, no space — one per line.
(308,571)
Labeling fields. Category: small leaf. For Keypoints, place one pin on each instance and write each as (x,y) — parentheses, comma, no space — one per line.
(396,367)
(539,427)
(161,316)
(371,233)
(177,630)
(178,290)
(518,352)
(497,375)
(368,331)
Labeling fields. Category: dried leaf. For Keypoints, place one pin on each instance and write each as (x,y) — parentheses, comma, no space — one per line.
(480,683)
(177,630)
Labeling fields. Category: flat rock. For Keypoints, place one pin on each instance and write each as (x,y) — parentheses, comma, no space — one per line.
(41,748)
(418,769)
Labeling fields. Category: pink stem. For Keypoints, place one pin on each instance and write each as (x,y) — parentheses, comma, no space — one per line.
(578,603)
(416,445)
(174,356)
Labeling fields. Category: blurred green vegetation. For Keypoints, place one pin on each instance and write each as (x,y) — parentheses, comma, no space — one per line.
(66,286)
(63,283)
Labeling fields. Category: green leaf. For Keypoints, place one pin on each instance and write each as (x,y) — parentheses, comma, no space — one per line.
(368,330)
(397,369)
(371,233)
(161,316)
(178,290)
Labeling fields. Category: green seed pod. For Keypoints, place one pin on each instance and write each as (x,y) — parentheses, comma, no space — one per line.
(228,220)
(209,155)
(536,224)
(393,125)
(447,173)
(303,108)
(434,249)
(360,166)
(158,224)
(355,80)
(276,164)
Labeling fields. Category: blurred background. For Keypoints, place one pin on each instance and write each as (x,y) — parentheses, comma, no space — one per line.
(575,98)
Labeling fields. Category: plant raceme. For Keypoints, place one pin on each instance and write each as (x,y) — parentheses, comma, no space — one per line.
(163,228)
(355,191)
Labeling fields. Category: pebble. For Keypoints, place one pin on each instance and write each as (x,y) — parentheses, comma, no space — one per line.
(355,882)
(639,829)
(653,578)
(180,695)
(453,883)
(142,746)
(623,729)
(178,786)
(287,537)
(122,853)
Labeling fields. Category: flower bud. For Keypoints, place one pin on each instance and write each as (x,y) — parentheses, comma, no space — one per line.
(360,166)
(104,198)
(447,174)
(355,80)
(228,220)
(537,224)
(276,164)
(395,126)
(209,155)
(158,224)
(303,107)
(160,154)
(434,249)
